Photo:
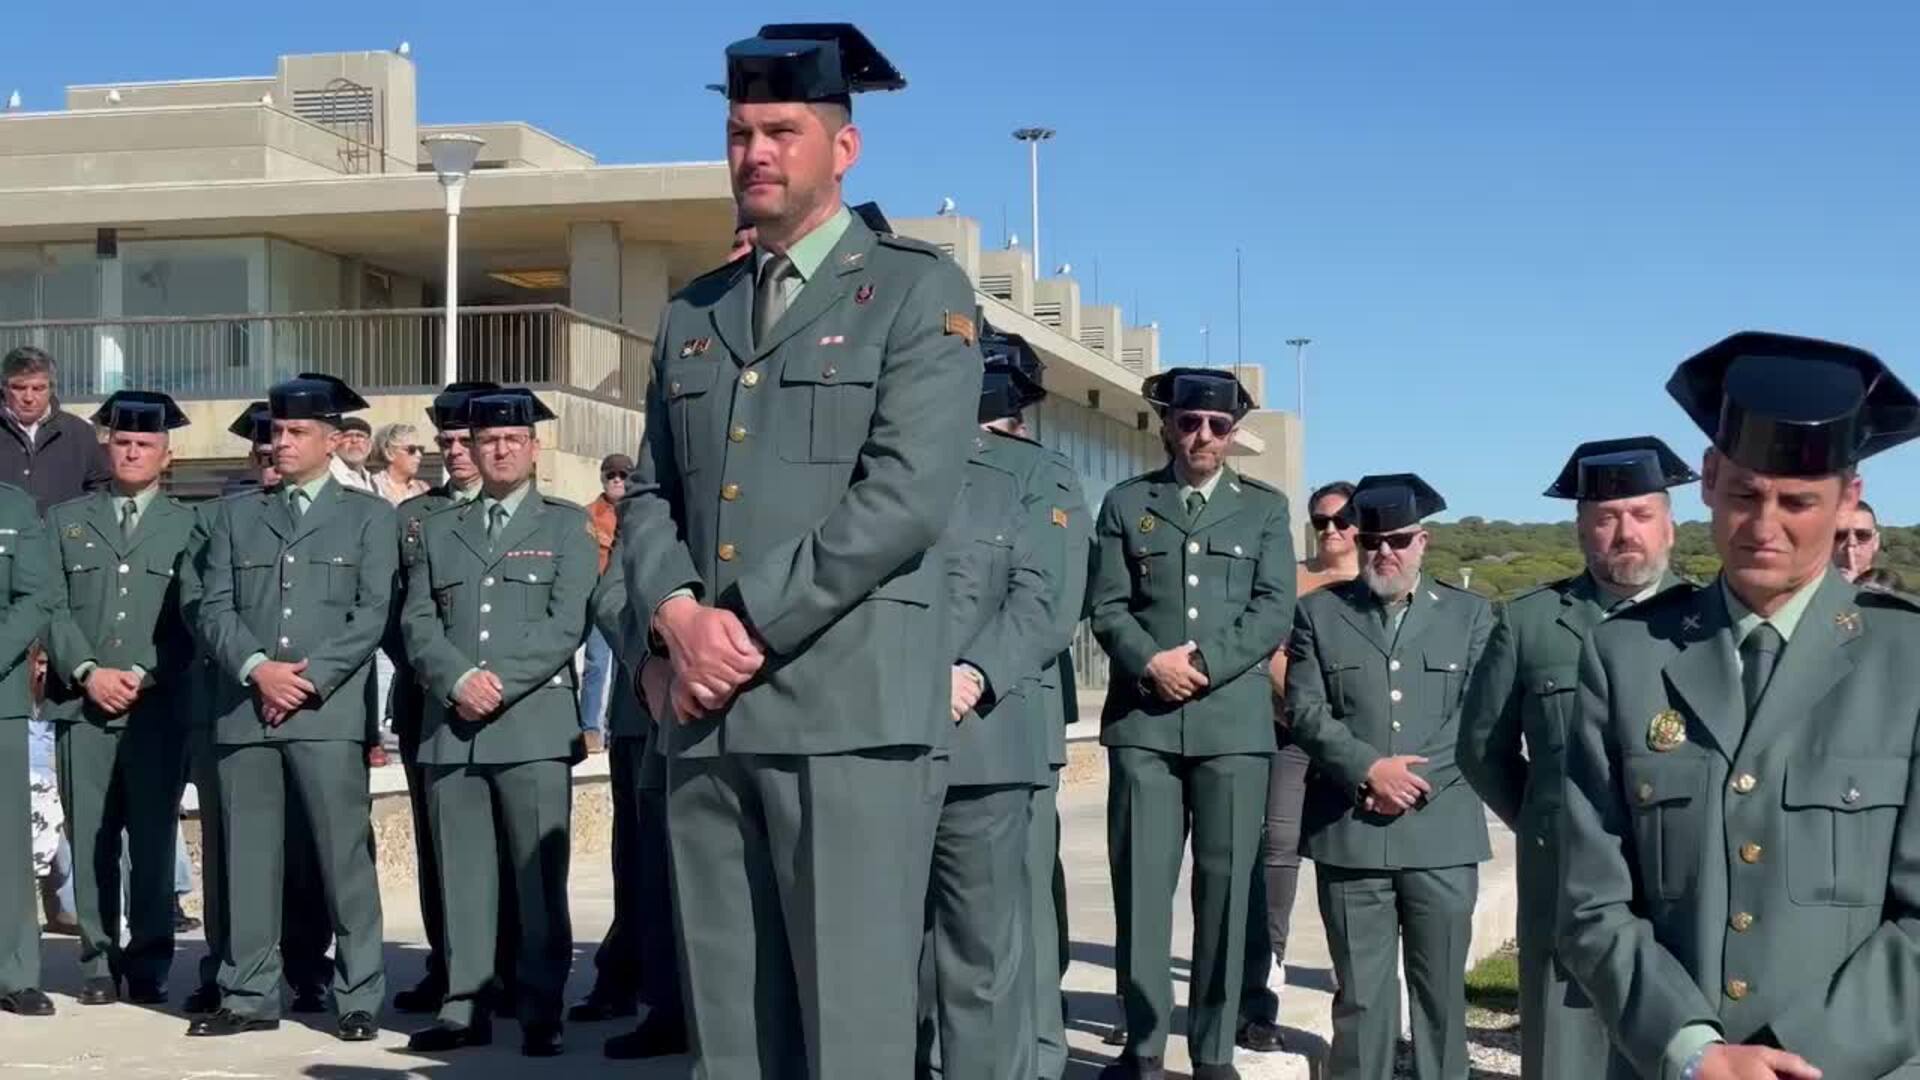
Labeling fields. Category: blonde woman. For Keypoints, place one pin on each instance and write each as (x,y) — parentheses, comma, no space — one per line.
(395,463)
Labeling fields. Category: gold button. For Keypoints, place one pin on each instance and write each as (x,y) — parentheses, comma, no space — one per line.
(726,552)
(1741,922)
(738,434)
(1646,793)
(750,379)
(730,492)
(1737,988)
(1750,853)
(1744,783)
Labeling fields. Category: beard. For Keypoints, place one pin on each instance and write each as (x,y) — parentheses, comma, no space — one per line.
(1628,570)
(1389,586)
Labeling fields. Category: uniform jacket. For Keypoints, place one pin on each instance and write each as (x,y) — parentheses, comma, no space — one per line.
(1225,582)
(801,481)
(407,699)
(1072,533)
(1357,694)
(31,590)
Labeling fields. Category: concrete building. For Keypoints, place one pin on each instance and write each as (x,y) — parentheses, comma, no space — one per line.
(209,237)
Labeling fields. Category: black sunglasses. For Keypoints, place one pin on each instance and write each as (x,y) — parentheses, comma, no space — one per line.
(1858,536)
(1323,522)
(1396,541)
(613,476)
(1189,423)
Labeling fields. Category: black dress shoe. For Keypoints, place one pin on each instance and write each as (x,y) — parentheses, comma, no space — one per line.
(657,1036)
(1215,1072)
(204,999)
(444,1036)
(541,1040)
(1116,1037)
(308,1000)
(228,1022)
(358,1026)
(143,992)
(597,1008)
(28,1002)
(99,990)
(63,925)
(1128,1067)
(183,923)
(424,997)
(1260,1037)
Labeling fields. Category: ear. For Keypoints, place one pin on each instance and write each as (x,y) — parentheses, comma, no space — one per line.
(846,150)
(1709,476)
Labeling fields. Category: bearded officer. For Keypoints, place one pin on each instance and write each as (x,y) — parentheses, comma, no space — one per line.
(1192,590)
(1741,870)
(1524,690)
(1376,671)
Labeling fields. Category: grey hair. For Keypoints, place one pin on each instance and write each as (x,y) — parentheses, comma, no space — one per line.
(389,436)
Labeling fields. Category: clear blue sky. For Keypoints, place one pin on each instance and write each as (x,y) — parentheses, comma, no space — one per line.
(1501,223)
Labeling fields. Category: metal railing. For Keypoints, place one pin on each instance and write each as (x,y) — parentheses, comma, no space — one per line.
(202,356)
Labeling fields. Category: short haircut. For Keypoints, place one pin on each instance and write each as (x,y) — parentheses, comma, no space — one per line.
(26,360)
(1339,489)
(835,115)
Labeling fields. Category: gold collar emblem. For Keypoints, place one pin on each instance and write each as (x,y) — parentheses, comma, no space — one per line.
(1146,523)
(1667,731)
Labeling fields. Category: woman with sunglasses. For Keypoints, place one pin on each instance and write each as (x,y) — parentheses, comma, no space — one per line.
(395,464)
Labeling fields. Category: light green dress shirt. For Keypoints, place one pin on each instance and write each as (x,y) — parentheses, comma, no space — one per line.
(808,253)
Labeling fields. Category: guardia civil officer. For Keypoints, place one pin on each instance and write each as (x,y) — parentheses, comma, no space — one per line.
(1377,668)
(808,424)
(30,592)
(1192,590)
(1523,692)
(1741,868)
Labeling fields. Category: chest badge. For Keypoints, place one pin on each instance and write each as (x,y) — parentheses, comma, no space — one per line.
(1667,731)
(863,294)
(833,339)
(73,532)
(1848,622)
(1146,523)
(695,346)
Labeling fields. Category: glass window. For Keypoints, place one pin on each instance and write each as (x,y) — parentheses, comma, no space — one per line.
(187,277)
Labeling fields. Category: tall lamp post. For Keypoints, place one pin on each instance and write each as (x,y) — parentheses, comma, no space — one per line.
(1033,137)
(453,156)
(1300,375)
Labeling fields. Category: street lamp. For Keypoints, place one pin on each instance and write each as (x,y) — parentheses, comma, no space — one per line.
(453,156)
(1033,137)
(1300,374)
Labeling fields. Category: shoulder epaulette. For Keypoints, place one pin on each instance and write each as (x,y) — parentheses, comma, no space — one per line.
(1870,596)
(1557,587)
(1451,587)
(1134,481)
(566,504)
(76,501)
(363,492)
(907,243)
(1258,485)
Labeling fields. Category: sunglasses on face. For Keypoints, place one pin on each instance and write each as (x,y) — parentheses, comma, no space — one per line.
(1188,423)
(412,448)
(1856,536)
(1396,541)
(448,442)
(1323,522)
(614,476)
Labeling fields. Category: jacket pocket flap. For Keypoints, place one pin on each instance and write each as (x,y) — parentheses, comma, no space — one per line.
(1846,784)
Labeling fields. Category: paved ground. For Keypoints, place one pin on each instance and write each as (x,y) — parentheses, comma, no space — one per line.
(138,1043)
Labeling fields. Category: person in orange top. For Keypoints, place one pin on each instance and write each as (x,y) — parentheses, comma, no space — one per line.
(603,513)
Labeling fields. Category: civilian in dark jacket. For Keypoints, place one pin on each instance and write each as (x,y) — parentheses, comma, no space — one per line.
(52,454)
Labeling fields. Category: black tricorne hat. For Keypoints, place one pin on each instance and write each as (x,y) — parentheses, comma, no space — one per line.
(254,425)
(1206,389)
(807,62)
(1794,406)
(512,407)
(1620,469)
(1014,376)
(145,411)
(1391,501)
(308,396)
(448,412)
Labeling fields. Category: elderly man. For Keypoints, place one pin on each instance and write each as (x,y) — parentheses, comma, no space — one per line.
(50,453)
(1377,668)
(1741,867)
(1856,543)
(1524,691)
(1192,590)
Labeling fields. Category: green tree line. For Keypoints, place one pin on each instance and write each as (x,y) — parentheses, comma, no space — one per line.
(1507,558)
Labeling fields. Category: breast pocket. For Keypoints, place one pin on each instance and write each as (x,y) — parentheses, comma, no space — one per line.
(1553,690)
(832,391)
(1345,688)
(1234,562)
(1667,796)
(86,582)
(340,575)
(1446,677)
(531,580)
(688,388)
(1841,814)
(254,582)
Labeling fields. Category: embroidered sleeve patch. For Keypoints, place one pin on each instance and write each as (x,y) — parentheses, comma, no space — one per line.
(960,326)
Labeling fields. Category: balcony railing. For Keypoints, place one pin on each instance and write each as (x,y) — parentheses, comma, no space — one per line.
(203,356)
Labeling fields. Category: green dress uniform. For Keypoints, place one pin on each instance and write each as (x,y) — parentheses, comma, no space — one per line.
(1740,860)
(1222,578)
(123,559)
(33,591)
(1366,682)
(288,584)
(501,584)
(1525,688)
(798,476)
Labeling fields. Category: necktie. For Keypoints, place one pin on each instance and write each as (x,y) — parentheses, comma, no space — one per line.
(770,296)
(1196,502)
(496,521)
(128,510)
(1758,655)
(297,499)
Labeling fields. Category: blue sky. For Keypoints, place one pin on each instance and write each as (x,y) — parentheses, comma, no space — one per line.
(1501,224)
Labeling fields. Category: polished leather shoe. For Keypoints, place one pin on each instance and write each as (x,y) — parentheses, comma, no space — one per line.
(541,1040)
(1116,1037)
(596,1009)
(424,997)
(28,1002)
(204,999)
(1260,1037)
(308,1000)
(228,1022)
(1215,1072)
(141,992)
(657,1036)
(443,1036)
(1128,1067)
(99,990)
(358,1026)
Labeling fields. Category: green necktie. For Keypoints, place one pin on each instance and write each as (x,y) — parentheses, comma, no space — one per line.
(297,500)
(1196,502)
(1758,655)
(496,521)
(770,297)
(129,513)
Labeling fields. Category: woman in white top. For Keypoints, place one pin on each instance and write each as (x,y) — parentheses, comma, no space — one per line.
(395,463)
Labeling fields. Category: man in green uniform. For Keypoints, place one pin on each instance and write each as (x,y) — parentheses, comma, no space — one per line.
(1191,592)
(1376,671)
(808,424)
(448,413)
(118,661)
(1741,865)
(1524,689)
(31,590)
(496,606)
(297,582)
(977,979)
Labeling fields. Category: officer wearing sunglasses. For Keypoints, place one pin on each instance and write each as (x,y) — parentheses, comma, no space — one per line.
(1377,670)
(1192,590)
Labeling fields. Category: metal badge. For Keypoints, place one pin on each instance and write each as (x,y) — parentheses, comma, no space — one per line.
(73,532)
(1690,624)
(1146,523)
(1667,731)
(1848,622)
(863,294)
(695,346)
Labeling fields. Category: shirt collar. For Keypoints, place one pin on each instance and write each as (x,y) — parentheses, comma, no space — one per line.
(314,487)
(510,501)
(812,249)
(1745,620)
(1612,602)
(1205,489)
(140,501)
(464,494)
